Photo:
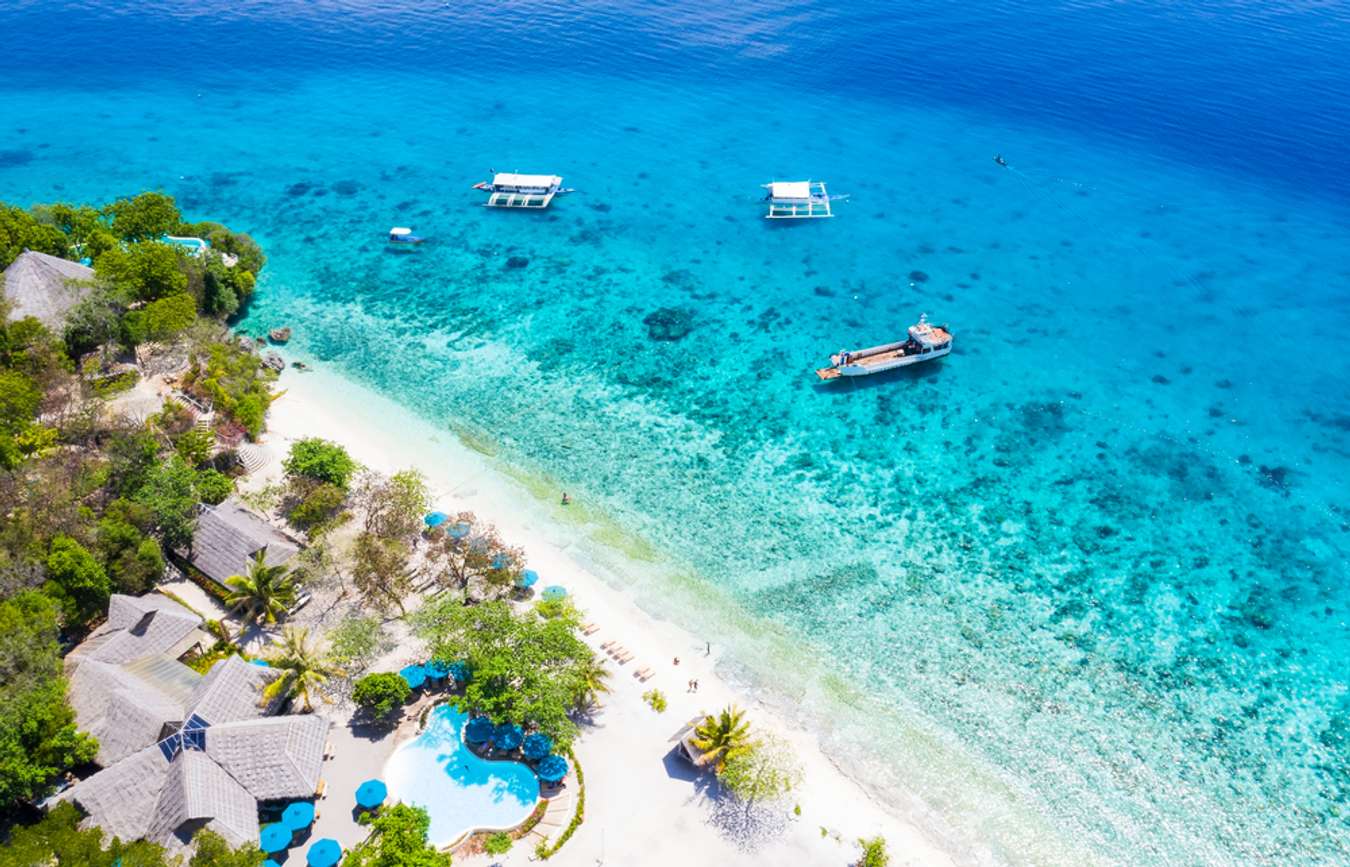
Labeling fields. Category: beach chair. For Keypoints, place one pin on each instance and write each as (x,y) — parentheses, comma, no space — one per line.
(319,791)
(590,628)
(609,644)
(624,658)
(644,674)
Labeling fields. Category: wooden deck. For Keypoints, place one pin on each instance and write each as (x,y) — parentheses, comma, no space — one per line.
(828,373)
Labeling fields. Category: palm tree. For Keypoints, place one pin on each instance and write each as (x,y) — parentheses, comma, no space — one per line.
(264,593)
(723,737)
(304,667)
(591,682)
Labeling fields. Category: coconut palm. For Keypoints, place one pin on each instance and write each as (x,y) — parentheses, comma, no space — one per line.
(591,675)
(303,665)
(263,593)
(723,737)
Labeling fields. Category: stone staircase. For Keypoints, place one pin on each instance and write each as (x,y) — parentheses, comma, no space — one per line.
(561,807)
(253,457)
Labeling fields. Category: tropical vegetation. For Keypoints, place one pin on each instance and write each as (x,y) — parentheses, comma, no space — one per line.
(873,852)
(398,839)
(304,667)
(723,737)
(263,593)
(378,694)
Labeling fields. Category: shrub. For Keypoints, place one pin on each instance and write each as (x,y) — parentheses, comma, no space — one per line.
(234,381)
(381,693)
(318,504)
(170,316)
(873,852)
(321,460)
(144,217)
(497,844)
(656,699)
(213,486)
(76,581)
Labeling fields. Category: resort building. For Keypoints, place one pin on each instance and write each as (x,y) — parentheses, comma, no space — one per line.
(45,287)
(182,751)
(229,535)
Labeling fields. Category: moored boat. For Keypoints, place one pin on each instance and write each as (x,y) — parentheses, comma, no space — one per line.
(514,190)
(404,235)
(925,343)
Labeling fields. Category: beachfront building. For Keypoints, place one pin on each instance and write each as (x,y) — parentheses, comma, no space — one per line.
(228,535)
(45,287)
(182,751)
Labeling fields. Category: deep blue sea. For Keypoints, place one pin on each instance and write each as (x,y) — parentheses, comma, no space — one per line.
(1077,592)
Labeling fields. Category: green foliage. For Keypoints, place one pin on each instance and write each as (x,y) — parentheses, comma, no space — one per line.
(263,593)
(320,460)
(394,507)
(38,738)
(398,839)
(214,851)
(480,563)
(380,693)
(304,667)
(213,486)
(20,230)
(132,558)
(380,570)
(58,840)
(204,661)
(767,771)
(170,316)
(234,381)
(497,844)
(107,386)
(76,581)
(194,445)
(20,398)
(526,670)
(96,320)
(656,699)
(317,504)
(144,272)
(145,217)
(169,493)
(723,737)
(873,852)
(354,642)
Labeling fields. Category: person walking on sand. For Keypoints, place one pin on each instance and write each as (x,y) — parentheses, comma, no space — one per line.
(566,499)
(707,651)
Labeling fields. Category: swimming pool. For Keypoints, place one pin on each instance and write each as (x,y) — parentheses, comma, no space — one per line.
(460,791)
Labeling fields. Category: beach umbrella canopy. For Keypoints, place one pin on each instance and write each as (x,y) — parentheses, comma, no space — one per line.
(458,531)
(436,668)
(413,675)
(435,519)
(274,837)
(528,578)
(552,769)
(371,793)
(537,746)
(499,561)
(270,863)
(324,853)
(479,730)
(261,663)
(297,815)
(555,591)
(459,670)
(507,736)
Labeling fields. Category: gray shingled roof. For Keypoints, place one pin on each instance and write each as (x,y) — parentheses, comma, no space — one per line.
(127,706)
(231,690)
(277,757)
(138,627)
(46,287)
(228,535)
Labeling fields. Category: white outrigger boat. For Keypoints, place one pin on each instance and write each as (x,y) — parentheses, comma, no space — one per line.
(404,235)
(925,343)
(797,200)
(511,190)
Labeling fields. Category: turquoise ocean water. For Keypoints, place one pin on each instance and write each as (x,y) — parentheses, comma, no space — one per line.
(1077,591)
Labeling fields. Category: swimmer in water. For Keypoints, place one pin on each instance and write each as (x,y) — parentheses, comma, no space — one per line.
(998,158)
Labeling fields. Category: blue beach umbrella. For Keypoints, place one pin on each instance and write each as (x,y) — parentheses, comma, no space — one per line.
(435,519)
(552,769)
(527,579)
(537,746)
(436,669)
(371,793)
(275,837)
(459,670)
(298,815)
(507,736)
(270,863)
(458,531)
(324,853)
(555,591)
(413,675)
(261,663)
(499,562)
(479,730)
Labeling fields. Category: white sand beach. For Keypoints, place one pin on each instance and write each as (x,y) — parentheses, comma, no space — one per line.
(643,804)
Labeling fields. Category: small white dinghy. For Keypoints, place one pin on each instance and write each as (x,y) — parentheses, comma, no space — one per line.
(925,343)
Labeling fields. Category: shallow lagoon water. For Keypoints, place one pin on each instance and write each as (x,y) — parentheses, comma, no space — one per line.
(1081,581)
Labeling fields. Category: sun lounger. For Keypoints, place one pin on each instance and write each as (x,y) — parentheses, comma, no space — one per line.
(644,674)
(623,658)
(608,644)
(318,792)
(590,628)
(615,649)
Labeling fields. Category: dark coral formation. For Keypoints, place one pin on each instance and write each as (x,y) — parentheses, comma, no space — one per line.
(669,323)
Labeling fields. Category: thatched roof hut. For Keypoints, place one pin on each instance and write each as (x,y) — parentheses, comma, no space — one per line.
(45,287)
(229,535)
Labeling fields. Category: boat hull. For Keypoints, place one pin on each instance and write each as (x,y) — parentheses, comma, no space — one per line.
(892,363)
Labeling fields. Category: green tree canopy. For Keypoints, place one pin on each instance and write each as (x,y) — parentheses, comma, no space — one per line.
(398,839)
(38,738)
(144,271)
(169,493)
(58,840)
(214,851)
(873,852)
(76,581)
(525,669)
(20,230)
(262,593)
(321,460)
(723,737)
(354,642)
(380,693)
(145,217)
(304,667)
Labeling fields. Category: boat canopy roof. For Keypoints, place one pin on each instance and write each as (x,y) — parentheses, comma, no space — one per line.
(790,189)
(511,179)
(926,334)
(400,230)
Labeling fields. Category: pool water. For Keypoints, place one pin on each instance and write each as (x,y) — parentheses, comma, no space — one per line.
(460,791)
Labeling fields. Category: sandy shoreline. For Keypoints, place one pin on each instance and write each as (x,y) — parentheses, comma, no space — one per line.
(643,806)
